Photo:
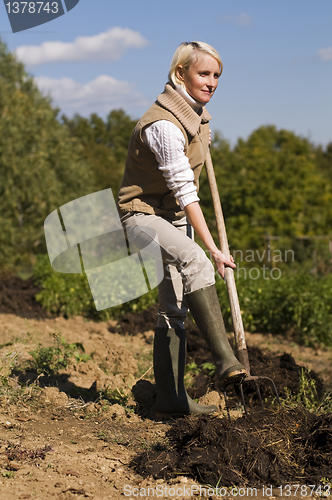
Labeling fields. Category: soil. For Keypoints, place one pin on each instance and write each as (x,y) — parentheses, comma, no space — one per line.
(87,430)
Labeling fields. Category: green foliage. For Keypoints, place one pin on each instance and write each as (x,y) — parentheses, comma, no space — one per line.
(105,144)
(324,161)
(70,295)
(210,367)
(121,397)
(41,166)
(306,396)
(8,474)
(64,294)
(326,404)
(49,360)
(299,304)
(269,184)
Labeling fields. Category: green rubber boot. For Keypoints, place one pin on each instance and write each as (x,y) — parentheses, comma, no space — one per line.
(205,308)
(169,358)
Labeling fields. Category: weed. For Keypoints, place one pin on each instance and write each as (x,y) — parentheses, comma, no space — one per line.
(17,452)
(144,444)
(216,489)
(122,396)
(120,439)
(326,404)
(104,435)
(50,360)
(191,370)
(210,367)
(8,474)
(307,396)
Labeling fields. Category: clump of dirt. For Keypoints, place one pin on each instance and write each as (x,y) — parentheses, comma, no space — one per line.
(134,323)
(17,296)
(268,447)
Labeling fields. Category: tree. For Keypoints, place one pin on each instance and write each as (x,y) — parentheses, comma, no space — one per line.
(270,183)
(324,161)
(41,166)
(105,144)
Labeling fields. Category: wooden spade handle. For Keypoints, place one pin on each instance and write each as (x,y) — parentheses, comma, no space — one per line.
(229,273)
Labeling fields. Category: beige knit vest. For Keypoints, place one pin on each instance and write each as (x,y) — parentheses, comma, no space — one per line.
(143,187)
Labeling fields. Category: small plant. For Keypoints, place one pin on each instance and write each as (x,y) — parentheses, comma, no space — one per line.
(210,367)
(8,474)
(17,452)
(115,396)
(191,370)
(216,488)
(50,360)
(326,404)
(307,394)
(104,435)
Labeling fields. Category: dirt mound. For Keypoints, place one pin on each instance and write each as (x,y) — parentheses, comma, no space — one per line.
(17,296)
(271,447)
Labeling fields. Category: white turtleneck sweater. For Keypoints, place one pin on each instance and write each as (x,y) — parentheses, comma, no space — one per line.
(167,143)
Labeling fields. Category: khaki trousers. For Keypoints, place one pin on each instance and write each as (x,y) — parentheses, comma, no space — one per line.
(186,265)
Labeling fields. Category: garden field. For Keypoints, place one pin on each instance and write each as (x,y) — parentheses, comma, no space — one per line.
(77,413)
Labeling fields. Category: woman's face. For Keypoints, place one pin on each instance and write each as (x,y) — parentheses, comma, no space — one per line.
(201,78)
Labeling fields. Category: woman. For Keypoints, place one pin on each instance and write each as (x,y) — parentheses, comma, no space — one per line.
(159,192)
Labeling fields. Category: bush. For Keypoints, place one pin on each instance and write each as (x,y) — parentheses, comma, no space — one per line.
(300,304)
(70,295)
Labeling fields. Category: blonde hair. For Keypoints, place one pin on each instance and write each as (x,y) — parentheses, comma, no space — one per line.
(185,54)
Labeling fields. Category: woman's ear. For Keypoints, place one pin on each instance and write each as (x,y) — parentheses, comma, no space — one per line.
(180,72)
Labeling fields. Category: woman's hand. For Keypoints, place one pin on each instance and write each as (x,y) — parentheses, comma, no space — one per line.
(221,261)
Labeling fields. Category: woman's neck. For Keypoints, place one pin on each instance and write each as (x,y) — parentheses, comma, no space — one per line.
(196,105)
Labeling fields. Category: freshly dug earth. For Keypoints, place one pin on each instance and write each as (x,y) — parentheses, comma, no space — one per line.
(270,447)
(87,430)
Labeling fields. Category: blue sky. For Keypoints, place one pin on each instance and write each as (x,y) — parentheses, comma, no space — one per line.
(104,55)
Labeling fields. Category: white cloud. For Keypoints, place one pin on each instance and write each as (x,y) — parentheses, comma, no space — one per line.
(325,54)
(97,96)
(241,19)
(107,46)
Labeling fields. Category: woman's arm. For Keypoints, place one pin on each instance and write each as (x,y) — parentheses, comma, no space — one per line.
(196,218)
(167,143)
